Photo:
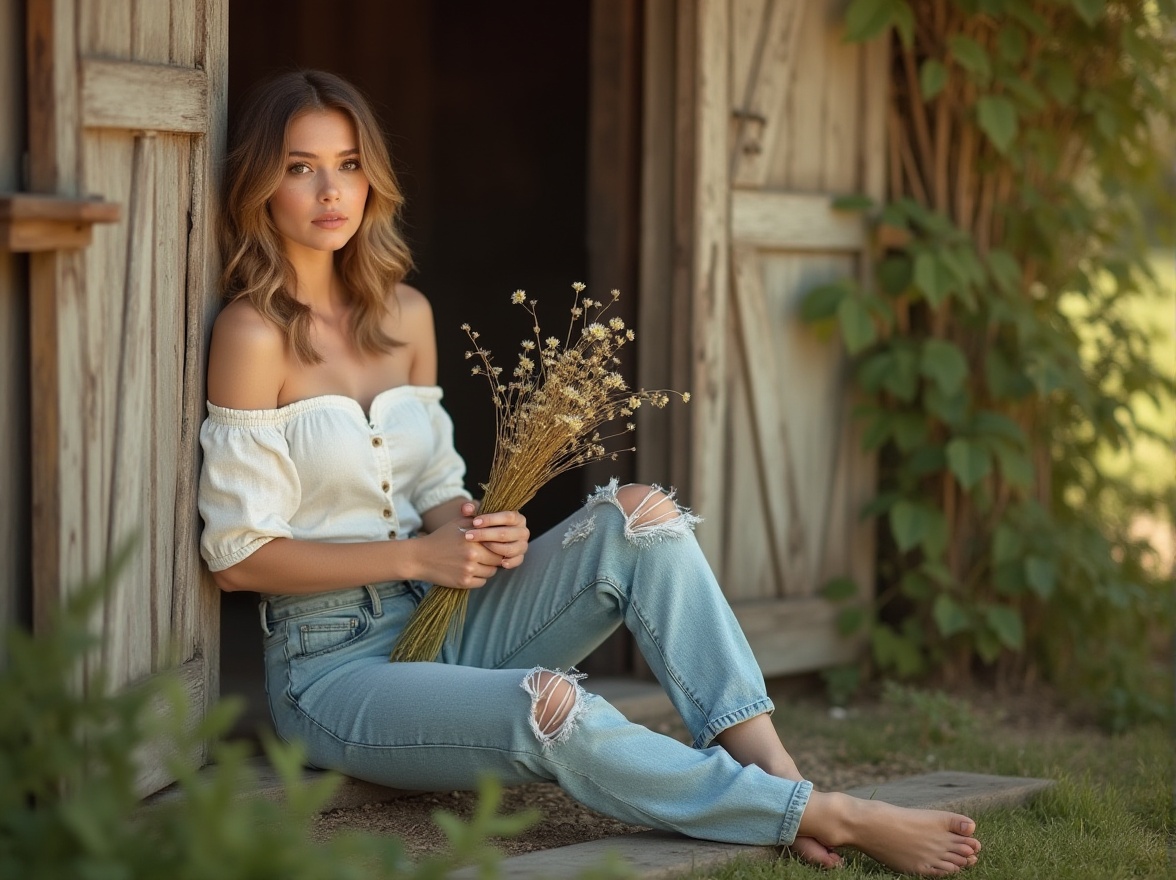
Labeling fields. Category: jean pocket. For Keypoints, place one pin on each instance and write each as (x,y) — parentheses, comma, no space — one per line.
(325,633)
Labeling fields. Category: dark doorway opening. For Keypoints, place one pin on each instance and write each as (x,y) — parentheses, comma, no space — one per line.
(486,107)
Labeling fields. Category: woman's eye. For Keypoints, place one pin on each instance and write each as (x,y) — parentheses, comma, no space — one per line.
(299,168)
(351,165)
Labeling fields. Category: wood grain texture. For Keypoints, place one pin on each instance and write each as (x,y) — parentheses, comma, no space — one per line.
(794,222)
(120,329)
(135,95)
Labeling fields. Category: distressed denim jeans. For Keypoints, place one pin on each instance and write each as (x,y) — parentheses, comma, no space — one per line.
(439,726)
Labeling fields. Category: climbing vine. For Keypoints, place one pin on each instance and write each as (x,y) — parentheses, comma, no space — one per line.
(992,351)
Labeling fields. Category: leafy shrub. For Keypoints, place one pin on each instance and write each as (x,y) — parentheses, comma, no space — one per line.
(993,356)
(69,807)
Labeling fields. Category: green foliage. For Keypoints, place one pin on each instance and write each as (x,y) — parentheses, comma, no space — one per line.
(69,805)
(994,352)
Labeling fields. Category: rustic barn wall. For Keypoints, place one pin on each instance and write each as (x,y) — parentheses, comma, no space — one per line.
(14,341)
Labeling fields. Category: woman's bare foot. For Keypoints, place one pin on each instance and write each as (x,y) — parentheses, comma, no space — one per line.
(813,852)
(930,843)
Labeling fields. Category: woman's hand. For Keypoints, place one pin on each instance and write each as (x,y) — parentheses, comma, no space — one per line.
(504,534)
(447,557)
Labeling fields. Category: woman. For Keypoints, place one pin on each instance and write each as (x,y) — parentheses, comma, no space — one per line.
(331,486)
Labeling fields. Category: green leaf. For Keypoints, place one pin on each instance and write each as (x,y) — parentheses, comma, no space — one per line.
(909,430)
(1006,543)
(909,522)
(895,274)
(971,56)
(950,618)
(926,460)
(1090,10)
(839,589)
(822,301)
(866,19)
(933,277)
(932,78)
(857,327)
(854,202)
(998,119)
(1007,624)
(916,586)
(996,424)
(850,620)
(1002,377)
(1041,574)
(877,430)
(935,541)
(903,379)
(892,651)
(969,460)
(952,409)
(944,363)
(1015,465)
(1005,270)
(1011,43)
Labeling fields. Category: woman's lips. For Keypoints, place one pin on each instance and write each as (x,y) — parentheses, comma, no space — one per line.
(330,221)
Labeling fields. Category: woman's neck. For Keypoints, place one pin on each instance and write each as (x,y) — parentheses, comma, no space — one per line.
(319,285)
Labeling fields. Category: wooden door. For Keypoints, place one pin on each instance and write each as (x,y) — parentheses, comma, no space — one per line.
(126,102)
(771,116)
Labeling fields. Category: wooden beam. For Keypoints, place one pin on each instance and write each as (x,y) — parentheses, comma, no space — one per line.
(798,635)
(151,97)
(794,222)
(31,222)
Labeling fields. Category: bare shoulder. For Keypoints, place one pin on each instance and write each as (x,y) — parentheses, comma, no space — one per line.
(414,327)
(415,312)
(247,361)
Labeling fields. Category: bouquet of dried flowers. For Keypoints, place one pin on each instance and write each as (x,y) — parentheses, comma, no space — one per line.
(548,417)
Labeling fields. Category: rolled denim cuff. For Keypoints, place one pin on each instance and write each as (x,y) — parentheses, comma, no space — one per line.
(718,725)
(793,812)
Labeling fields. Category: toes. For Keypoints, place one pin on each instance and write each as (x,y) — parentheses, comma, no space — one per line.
(965,826)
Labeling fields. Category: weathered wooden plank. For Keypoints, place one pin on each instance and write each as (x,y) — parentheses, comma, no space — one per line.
(841,123)
(710,277)
(136,95)
(794,222)
(798,161)
(168,307)
(128,631)
(104,28)
(655,300)
(151,31)
(42,223)
(749,565)
(774,458)
(873,101)
(799,635)
(186,37)
(760,111)
(151,759)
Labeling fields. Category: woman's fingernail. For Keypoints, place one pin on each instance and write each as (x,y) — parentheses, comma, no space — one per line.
(477,522)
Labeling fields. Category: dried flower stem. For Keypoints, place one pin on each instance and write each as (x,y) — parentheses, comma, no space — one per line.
(547,421)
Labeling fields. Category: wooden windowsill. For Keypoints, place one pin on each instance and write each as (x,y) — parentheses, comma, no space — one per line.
(31,222)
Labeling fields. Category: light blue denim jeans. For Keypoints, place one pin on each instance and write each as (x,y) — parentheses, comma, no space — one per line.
(439,726)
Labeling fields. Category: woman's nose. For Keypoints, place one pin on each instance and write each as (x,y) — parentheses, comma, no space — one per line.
(329,191)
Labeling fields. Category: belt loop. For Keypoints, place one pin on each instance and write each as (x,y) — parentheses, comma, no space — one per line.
(377,608)
(262,607)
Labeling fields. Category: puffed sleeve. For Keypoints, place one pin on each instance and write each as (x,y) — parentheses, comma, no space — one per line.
(249,487)
(444,476)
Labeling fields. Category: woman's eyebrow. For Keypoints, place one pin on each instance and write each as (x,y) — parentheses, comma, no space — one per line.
(302,154)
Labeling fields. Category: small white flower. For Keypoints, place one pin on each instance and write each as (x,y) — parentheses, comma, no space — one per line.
(518,297)
(577,286)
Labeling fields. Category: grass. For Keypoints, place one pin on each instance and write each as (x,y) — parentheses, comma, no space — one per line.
(1109,815)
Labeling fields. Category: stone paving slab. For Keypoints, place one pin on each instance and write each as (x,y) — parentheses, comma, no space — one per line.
(656,855)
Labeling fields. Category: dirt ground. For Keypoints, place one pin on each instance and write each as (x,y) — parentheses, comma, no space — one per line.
(566,822)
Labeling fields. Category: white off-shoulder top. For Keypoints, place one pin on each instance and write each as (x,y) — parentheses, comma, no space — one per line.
(321,469)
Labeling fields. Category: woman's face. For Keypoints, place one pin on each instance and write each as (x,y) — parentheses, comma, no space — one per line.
(319,203)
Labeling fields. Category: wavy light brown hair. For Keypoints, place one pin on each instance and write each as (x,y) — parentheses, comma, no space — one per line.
(370,264)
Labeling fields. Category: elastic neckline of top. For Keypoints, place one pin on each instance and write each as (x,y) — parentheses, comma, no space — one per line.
(284,413)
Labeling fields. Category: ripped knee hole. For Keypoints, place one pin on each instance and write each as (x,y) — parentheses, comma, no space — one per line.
(555,702)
